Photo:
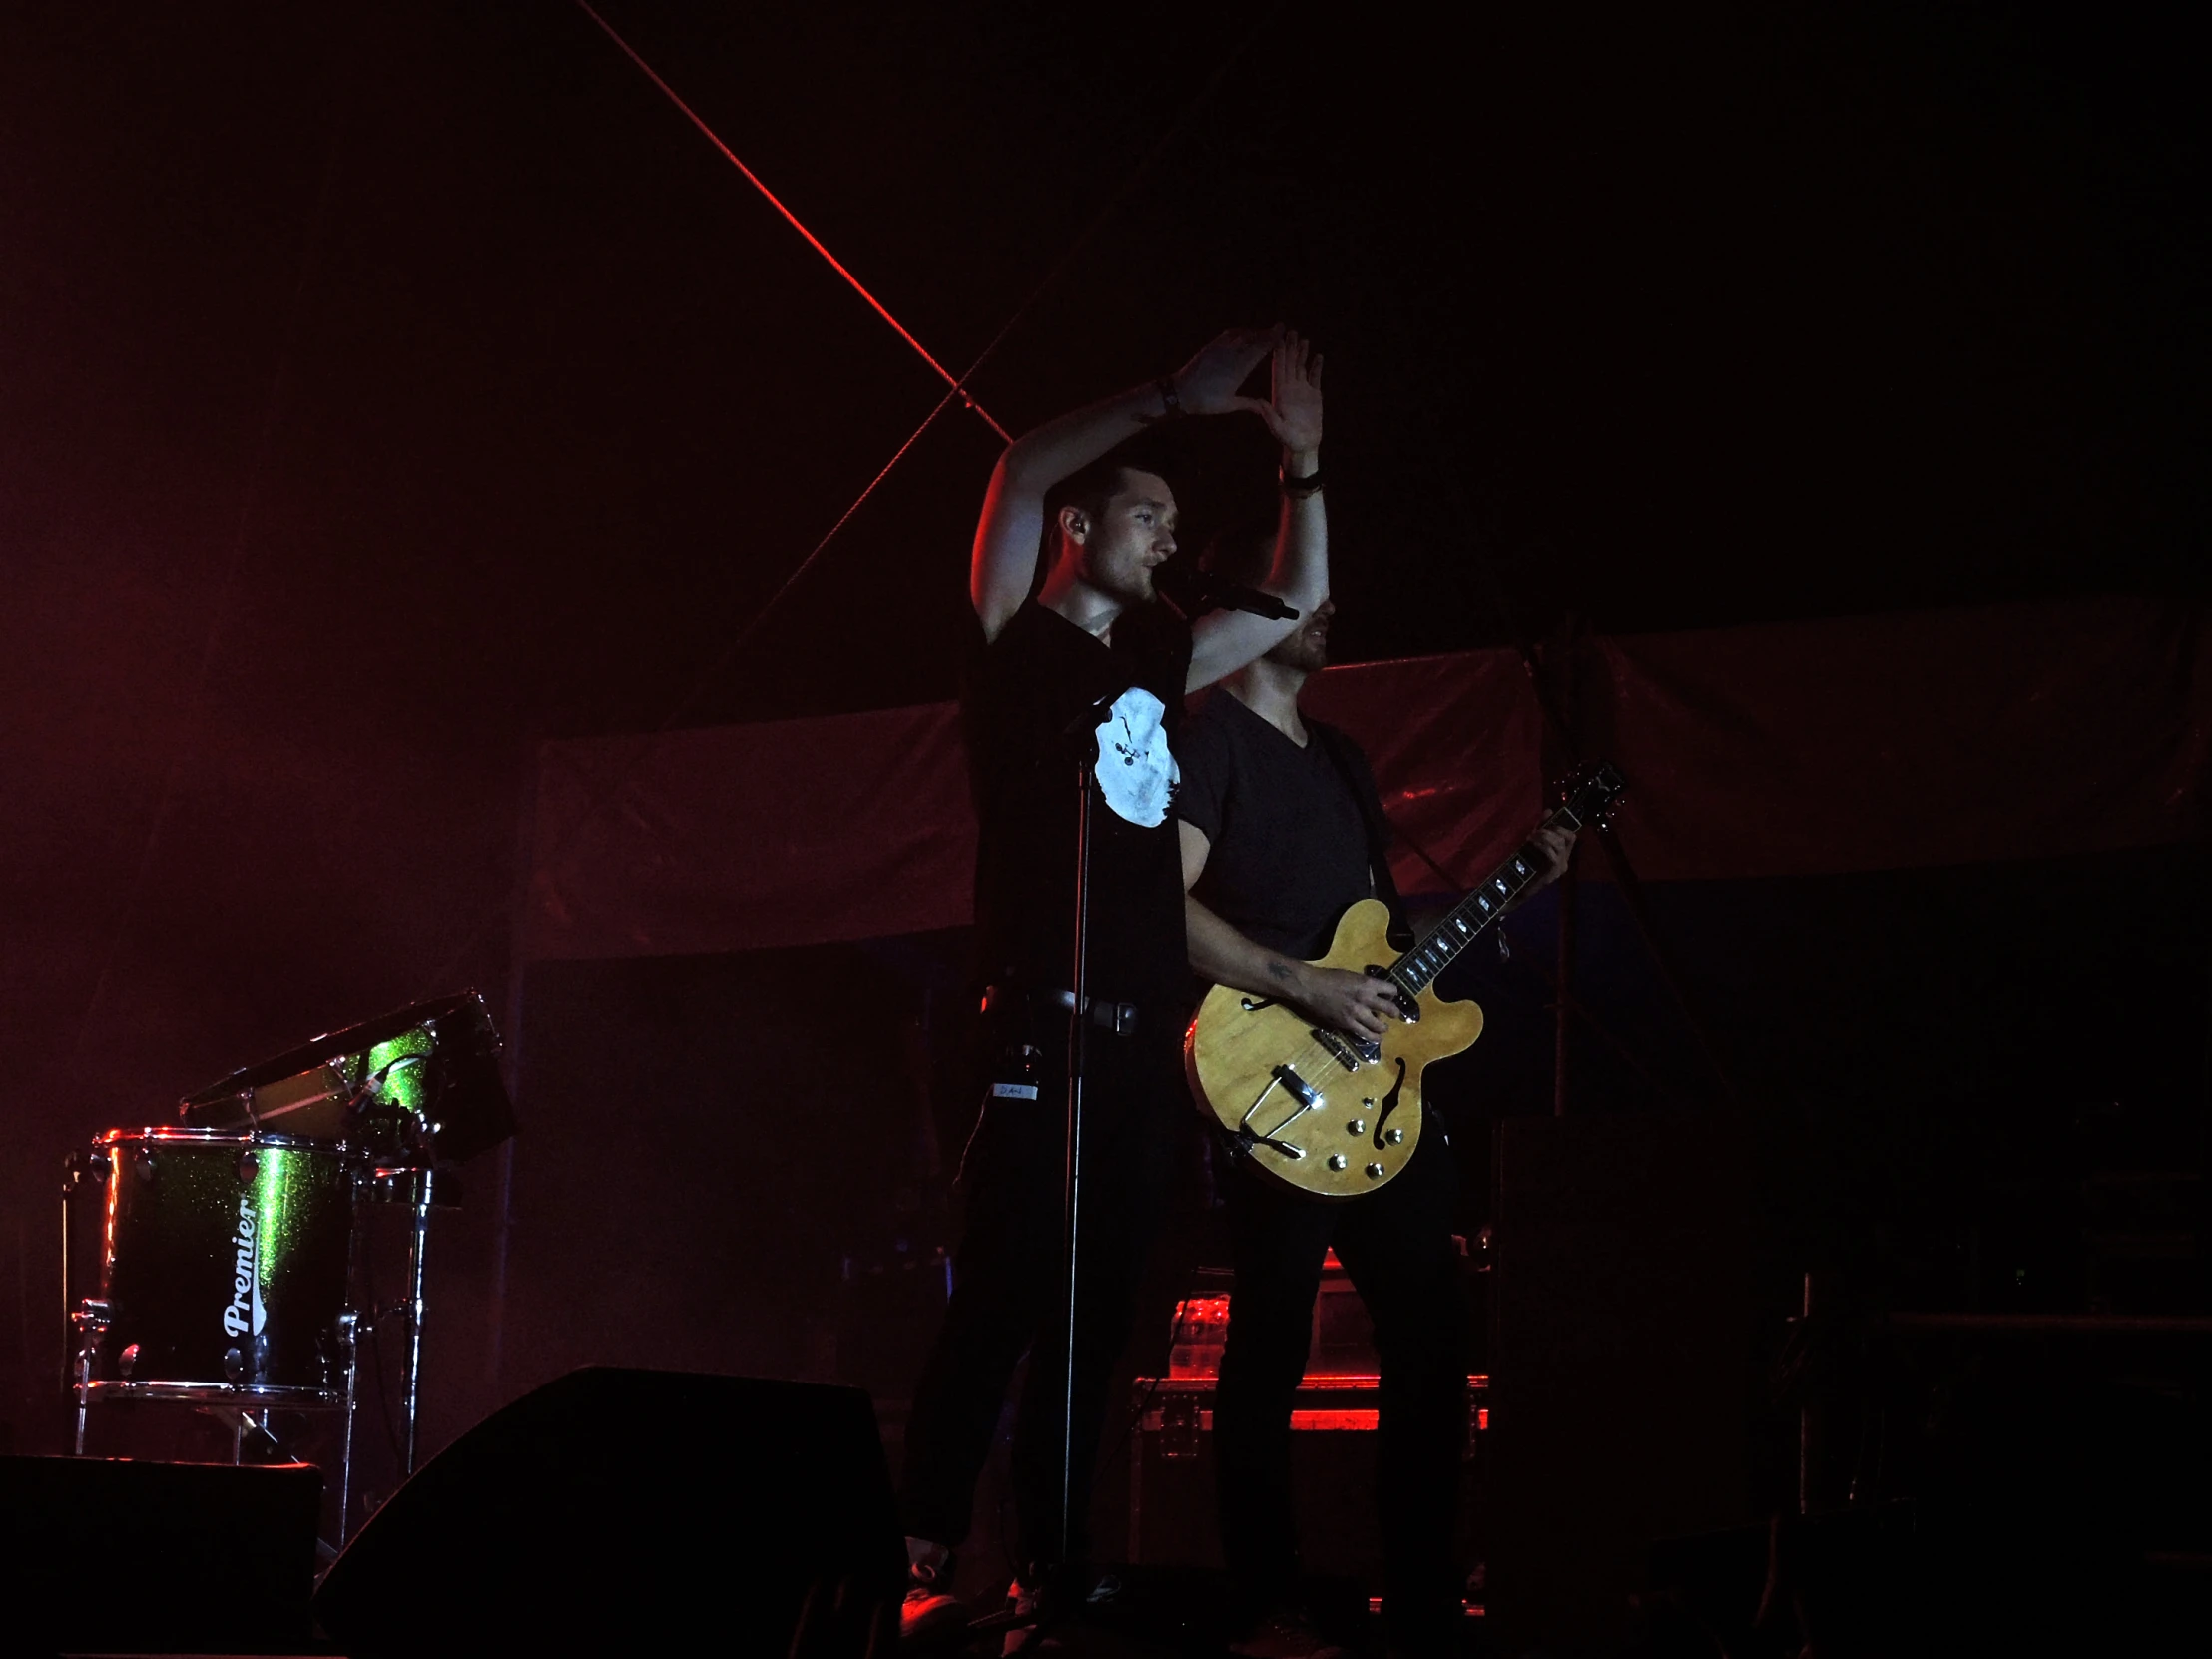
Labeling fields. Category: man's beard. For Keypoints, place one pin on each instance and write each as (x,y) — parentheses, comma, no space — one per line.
(1303,652)
(1131,587)
(1136,591)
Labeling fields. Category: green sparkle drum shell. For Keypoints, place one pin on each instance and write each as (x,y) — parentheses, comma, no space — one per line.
(224,1259)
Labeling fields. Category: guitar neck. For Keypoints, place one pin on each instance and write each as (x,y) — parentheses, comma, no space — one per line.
(1465,922)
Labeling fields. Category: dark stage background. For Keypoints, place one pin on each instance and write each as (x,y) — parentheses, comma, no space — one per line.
(384,389)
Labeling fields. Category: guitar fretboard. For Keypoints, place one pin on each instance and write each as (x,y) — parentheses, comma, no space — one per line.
(1464,923)
(1440,945)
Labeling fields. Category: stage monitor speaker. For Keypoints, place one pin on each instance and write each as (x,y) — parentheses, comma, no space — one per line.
(105,1554)
(617,1511)
(1619,1364)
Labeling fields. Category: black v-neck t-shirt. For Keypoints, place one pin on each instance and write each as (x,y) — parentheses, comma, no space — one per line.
(1287,842)
(1023,692)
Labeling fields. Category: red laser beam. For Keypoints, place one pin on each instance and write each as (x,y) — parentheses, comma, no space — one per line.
(792,219)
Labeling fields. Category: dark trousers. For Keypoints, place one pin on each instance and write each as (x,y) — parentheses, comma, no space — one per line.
(1396,1246)
(1009,1285)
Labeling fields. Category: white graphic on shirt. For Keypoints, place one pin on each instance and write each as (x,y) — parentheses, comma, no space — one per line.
(1137,773)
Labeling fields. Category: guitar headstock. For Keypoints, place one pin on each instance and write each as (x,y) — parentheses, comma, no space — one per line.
(1590,796)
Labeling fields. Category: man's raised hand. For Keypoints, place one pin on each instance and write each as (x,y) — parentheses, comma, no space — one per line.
(1206,384)
(1292,412)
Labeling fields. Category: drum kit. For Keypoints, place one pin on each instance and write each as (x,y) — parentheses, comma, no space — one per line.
(218,1261)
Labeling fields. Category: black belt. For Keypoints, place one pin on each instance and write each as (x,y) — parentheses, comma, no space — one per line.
(1118,1017)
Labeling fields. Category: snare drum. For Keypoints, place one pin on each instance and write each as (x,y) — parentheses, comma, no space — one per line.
(221,1258)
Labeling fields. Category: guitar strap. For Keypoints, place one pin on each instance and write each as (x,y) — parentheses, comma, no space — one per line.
(1356,778)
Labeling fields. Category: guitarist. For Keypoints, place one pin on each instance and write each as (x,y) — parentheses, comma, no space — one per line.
(1282,831)
(1101,517)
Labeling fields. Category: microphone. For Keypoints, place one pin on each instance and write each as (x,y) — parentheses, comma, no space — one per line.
(1191,592)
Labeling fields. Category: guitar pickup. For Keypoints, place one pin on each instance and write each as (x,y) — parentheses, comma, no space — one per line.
(1339,1048)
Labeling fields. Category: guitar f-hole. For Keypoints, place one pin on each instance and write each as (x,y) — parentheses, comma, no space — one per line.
(1390,1103)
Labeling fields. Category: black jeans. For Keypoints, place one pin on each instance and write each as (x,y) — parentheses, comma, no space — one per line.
(1396,1246)
(1009,1283)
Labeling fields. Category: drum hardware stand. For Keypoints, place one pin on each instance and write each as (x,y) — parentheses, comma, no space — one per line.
(348,1346)
(242,1422)
(427,1188)
(91,1317)
(418,1253)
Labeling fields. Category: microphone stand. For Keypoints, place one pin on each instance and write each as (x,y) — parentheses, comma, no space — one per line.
(1187,597)
(1082,731)
(1072,1174)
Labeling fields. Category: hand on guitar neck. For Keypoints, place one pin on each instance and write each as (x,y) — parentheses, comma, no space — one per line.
(1339,1000)
(1553,842)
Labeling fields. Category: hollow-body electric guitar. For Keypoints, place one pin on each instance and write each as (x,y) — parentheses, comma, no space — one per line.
(1332,1115)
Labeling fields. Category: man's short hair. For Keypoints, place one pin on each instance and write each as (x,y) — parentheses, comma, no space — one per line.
(1095,485)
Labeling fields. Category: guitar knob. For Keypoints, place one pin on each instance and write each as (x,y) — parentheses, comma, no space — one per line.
(1393,1136)
(1374,1172)
(1358,1126)
(1337,1160)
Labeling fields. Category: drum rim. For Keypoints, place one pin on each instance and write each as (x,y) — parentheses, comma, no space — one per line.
(191,1135)
(216,1393)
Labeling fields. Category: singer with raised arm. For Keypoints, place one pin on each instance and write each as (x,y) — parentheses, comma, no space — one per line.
(1090,646)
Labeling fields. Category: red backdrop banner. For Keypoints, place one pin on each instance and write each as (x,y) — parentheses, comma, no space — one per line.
(1804,749)
(740,838)
(1931,738)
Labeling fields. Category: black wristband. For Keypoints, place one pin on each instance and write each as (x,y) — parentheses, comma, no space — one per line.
(1302,488)
(1170,404)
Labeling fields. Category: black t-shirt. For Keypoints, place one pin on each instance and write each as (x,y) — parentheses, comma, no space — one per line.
(1289,842)
(1022,693)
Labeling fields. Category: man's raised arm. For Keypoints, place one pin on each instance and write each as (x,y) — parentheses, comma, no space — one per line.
(1010,534)
(1222,642)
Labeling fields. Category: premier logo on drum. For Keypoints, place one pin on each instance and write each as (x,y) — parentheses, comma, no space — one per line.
(245,1311)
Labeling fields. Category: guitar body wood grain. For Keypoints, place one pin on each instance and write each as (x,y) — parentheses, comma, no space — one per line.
(1249,1060)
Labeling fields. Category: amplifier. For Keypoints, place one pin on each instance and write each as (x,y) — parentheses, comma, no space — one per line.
(1333,1466)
